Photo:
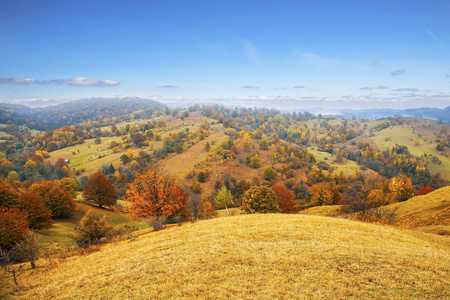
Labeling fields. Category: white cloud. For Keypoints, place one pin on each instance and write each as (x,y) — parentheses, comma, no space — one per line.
(374,87)
(77,81)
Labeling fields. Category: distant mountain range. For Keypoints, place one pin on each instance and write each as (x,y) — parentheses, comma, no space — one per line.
(424,112)
(71,112)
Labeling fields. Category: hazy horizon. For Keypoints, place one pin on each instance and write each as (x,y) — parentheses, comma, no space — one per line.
(285,55)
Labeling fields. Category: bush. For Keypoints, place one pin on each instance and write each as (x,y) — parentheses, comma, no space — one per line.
(201,176)
(91,230)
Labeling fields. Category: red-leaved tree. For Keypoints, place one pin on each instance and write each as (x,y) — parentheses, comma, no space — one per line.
(425,190)
(154,195)
(285,201)
(13,227)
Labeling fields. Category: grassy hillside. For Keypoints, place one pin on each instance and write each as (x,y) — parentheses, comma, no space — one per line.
(255,257)
(430,212)
(403,135)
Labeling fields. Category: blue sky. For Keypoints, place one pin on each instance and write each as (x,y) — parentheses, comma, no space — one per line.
(283,54)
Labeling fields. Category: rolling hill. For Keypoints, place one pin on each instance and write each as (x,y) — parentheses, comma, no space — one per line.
(429,213)
(254,257)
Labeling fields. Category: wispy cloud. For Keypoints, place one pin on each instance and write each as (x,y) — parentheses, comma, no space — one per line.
(316,60)
(375,62)
(167,86)
(406,90)
(251,52)
(398,72)
(280,88)
(77,81)
(298,87)
(374,87)
(249,87)
(436,38)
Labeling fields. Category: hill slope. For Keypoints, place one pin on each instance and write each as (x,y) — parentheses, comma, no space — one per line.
(429,213)
(256,256)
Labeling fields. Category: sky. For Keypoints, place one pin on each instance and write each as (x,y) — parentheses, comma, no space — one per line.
(282,54)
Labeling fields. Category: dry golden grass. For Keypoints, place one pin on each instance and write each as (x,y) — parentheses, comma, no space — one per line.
(428,213)
(254,257)
(326,210)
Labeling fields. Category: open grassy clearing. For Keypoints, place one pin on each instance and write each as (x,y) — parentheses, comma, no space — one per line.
(60,236)
(402,135)
(255,257)
(348,166)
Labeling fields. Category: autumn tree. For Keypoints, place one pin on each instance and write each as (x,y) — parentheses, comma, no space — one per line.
(321,194)
(138,138)
(223,199)
(425,190)
(39,216)
(59,201)
(285,200)
(401,188)
(247,142)
(255,161)
(259,200)
(194,206)
(154,195)
(91,230)
(100,190)
(263,145)
(13,227)
(207,147)
(70,185)
(269,173)
(9,196)
(125,159)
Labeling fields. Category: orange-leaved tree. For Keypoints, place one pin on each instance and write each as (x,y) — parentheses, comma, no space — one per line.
(9,196)
(13,227)
(59,201)
(154,195)
(38,215)
(100,190)
(285,201)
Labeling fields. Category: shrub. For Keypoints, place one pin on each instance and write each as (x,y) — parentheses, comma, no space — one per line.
(91,230)
(201,176)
